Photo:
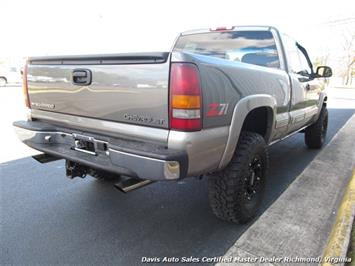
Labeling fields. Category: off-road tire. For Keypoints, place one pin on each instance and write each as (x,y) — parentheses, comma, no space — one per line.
(315,134)
(233,196)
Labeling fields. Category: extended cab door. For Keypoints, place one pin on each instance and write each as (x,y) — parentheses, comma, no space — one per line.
(305,88)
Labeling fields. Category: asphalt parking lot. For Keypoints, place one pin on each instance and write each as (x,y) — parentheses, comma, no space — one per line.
(49,219)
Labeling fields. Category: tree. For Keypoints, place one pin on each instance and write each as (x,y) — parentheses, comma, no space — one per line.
(349,50)
(321,61)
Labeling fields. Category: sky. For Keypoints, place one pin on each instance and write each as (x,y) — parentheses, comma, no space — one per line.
(55,27)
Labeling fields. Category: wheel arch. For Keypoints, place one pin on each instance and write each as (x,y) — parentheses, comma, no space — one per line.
(252,107)
(323,98)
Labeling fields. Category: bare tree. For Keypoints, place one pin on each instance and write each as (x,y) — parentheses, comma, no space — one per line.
(349,49)
(321,61)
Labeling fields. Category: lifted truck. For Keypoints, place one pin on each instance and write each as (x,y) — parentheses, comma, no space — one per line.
(211,106)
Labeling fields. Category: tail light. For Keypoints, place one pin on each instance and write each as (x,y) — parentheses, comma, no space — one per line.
(185,97)
(25,86)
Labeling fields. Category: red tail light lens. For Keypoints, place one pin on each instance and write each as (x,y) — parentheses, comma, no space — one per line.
(185,97)
(25,86)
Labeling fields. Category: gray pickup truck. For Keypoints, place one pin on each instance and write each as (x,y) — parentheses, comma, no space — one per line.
(211,106)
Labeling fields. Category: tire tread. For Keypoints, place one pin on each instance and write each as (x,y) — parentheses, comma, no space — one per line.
(225,193)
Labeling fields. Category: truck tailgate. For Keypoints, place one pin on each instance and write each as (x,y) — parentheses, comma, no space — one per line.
(130,88)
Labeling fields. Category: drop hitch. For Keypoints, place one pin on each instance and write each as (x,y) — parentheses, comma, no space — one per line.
(74,169)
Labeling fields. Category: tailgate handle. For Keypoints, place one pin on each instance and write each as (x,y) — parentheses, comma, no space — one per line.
(81,77)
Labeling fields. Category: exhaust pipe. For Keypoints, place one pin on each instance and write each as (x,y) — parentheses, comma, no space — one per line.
(125,183)
(128,184)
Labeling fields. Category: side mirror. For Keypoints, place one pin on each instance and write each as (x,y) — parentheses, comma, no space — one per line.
(324,72)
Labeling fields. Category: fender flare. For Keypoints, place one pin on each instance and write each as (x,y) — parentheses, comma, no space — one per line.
(322,97)
(241,110)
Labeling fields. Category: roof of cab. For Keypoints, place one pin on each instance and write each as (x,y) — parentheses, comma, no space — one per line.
(233,28)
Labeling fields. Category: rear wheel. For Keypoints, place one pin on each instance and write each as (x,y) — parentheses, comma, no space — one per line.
(235,193)
(315,134)
(3,82)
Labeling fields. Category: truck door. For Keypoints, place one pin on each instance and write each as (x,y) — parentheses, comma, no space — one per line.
(305,88)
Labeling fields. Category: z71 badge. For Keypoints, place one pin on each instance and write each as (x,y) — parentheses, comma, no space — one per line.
(217,109)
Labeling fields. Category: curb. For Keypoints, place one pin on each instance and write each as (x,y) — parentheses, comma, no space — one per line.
(339,239)
(298,228)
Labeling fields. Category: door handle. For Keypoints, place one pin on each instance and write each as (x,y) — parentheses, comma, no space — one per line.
(81,77)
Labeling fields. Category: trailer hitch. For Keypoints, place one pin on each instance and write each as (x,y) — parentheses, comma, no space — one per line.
(74,169)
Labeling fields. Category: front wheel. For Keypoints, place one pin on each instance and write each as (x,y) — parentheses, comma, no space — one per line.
(235,193)
(315,134)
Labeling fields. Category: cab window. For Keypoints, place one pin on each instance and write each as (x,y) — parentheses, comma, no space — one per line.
(252,47)
(296,60)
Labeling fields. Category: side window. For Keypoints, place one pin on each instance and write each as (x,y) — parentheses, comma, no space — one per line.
(296,60)
(292,54)
(304,64)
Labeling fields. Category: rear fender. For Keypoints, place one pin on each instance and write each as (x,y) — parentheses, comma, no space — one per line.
(241,110)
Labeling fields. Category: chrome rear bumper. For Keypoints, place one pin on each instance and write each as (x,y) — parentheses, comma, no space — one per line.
(138,159)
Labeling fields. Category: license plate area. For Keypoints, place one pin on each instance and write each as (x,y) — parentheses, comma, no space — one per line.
(84,144)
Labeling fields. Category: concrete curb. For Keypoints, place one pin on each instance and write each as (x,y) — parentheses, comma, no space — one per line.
(339,238)
(295,229)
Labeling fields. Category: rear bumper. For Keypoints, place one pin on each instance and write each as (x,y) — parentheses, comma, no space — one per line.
(133,158)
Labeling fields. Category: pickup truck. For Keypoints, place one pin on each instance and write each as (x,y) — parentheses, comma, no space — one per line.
(209,107)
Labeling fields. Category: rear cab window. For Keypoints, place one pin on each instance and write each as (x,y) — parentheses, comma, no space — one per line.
(251,47)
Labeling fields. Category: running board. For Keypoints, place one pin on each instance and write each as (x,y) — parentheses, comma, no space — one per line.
(45,158)
(129,184)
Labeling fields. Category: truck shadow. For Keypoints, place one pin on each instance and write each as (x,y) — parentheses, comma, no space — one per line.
(90,222)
